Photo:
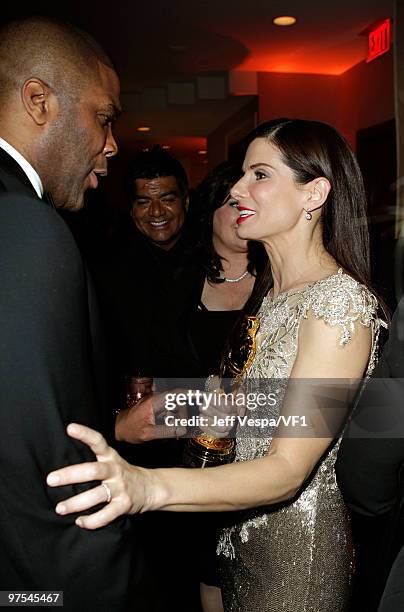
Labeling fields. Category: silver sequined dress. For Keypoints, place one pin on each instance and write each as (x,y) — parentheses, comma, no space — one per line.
(295,556)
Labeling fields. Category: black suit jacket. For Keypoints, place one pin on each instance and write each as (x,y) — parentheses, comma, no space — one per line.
(148,334)
(49,377)
(145,294)
(369,474)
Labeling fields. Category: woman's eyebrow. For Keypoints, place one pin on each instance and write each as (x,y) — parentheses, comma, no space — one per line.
(261,164)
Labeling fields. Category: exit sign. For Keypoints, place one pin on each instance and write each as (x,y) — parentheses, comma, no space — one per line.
(379,40)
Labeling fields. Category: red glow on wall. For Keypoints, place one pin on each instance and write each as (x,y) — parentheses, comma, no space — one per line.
(333,60)
(379,40)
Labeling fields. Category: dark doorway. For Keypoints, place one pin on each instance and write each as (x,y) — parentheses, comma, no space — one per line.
(376,152)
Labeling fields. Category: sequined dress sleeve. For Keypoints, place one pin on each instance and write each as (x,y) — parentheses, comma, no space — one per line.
(295,556)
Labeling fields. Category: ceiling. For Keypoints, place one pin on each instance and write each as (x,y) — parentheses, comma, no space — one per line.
(179,38)
(174,41)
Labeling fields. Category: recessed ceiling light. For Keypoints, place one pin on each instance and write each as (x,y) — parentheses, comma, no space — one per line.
(143,128)
(202,152)
(284,20)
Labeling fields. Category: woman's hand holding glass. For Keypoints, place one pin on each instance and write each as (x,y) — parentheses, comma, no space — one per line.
(145,420)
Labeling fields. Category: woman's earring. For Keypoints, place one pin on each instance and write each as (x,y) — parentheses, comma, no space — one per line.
(308,215)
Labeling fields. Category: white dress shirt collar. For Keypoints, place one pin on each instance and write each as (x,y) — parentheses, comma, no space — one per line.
(26,166)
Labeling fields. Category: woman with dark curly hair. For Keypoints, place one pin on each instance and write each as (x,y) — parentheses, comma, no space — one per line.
(232,266)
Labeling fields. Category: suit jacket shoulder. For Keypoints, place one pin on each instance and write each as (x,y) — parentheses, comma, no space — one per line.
(47,381)
(13,177)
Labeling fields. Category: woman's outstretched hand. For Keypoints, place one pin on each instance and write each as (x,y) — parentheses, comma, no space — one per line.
(122,489)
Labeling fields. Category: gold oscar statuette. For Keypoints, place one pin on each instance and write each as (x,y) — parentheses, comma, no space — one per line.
(206,450)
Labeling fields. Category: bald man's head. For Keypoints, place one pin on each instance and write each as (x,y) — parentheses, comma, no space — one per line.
(64,57)
(59,96)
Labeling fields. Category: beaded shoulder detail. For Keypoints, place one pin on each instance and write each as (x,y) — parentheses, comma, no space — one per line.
(340,301)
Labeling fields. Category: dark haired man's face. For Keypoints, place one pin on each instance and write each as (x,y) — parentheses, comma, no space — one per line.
(158,210)
(80,141)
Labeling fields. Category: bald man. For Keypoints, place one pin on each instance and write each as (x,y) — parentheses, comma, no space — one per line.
(59,96)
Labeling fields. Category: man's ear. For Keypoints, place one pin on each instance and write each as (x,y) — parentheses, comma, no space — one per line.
(186,203)
(39,101)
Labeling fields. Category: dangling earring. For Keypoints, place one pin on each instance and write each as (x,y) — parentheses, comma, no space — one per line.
(308,215)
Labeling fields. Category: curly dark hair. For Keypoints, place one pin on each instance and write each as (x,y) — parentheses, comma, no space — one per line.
(209,196)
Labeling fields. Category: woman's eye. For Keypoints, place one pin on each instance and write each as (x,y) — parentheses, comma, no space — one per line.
(259,175)
(233,203)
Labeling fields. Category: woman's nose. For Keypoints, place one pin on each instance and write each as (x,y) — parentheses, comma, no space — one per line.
(239,189)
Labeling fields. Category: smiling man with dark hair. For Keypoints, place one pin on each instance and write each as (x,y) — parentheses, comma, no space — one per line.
(146,283)
(147,277)
(158,188)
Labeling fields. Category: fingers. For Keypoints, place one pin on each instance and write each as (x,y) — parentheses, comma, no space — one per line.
(81,472)
(159,402)
(163,403)
(144,410)
(217,431)
(131,424)
(115,492)
(162,416)
(160,432)
(101,518)
(84,472)
(219,417)
(92,438)
(165,431)
(83,501)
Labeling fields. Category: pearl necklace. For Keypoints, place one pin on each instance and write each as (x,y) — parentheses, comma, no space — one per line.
(234,280)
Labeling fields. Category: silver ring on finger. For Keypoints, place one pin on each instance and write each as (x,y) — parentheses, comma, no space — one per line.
(107,491)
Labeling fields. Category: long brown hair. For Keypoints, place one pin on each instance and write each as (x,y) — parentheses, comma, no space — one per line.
(312,149)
